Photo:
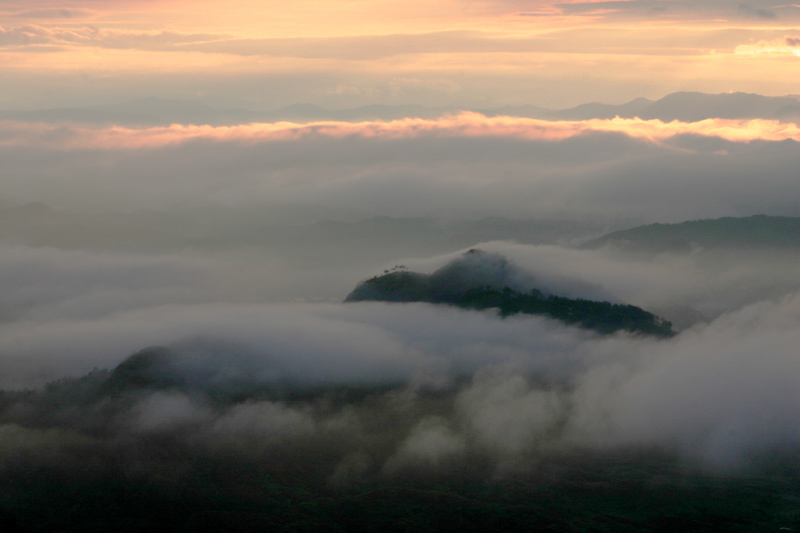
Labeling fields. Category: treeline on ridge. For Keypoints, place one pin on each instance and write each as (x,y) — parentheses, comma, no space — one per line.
(476,281)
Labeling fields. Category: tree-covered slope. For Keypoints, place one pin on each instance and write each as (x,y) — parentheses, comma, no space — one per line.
(478,280)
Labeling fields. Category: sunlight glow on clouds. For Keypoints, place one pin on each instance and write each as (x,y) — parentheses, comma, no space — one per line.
(789,45)
(503,51)
(462,125)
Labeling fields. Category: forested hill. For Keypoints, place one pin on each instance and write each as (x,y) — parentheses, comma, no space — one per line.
(758,231)
(478,280)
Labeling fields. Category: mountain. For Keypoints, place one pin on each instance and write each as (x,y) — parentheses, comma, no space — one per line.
(529,111)
(155,111)
(756,232)
(689,107)
(693,106)
(634,108)
(149,111)
(478,280)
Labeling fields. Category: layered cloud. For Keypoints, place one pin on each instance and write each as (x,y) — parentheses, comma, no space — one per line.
(720,393)
(277,55)
(783,46)
(464,125)
(463,165)
(67,311)
(665,9)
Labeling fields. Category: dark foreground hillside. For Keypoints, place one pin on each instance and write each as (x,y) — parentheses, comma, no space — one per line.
(159,444)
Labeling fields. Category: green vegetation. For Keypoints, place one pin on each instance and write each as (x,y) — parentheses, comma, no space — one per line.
(603,317)
(453,285)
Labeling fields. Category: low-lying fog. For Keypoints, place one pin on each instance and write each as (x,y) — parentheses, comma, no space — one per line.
(723,388)
(257,303)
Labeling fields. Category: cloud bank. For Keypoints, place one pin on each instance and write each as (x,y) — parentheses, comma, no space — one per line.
(465,165)
(720,395)
(719,392)
(461,125)
(342,399)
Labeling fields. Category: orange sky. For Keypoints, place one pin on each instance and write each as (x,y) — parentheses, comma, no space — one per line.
(345,53)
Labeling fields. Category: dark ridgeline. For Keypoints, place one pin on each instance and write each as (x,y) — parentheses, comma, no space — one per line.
(757,232)
(479,280)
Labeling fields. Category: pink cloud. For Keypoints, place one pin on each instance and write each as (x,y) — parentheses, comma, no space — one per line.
(461,125)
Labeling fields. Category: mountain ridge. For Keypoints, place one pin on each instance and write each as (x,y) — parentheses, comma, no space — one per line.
(684,106)
(756,231)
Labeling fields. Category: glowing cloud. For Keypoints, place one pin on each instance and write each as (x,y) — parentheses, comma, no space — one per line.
(465,124)
(784,46)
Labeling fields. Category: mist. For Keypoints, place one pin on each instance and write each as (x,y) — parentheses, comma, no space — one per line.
(78,311)
(345,397)
(173,313)
(609,177)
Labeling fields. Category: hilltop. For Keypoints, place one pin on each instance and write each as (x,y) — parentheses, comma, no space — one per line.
(478,280)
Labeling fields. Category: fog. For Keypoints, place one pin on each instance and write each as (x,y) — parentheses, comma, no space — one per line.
(720,391)
(234,258)
(591,175)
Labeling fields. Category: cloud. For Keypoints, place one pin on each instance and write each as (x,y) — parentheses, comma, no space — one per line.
(465,165)
(535,388)
(431,444)
(67,312)
(786,46)
(25,35)
(91,36)
(720,393)
(163,412)
(475,46)
(63,13)
(466,124)
(675,9)
(509,416)
(263,424)
(754,12)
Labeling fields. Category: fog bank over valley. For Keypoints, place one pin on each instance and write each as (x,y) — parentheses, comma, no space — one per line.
(174,336)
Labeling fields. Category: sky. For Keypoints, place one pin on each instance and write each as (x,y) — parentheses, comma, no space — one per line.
(467,53)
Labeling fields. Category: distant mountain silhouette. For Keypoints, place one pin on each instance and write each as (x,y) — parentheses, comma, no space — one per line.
(758,231)
(693,106)
(683,106)
(147,111)
(155,111)
(479,280)
(631,109)
(690,107)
